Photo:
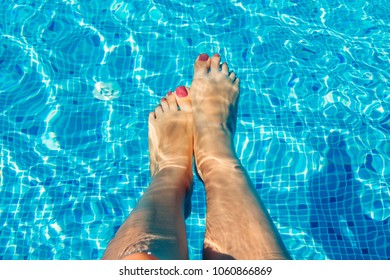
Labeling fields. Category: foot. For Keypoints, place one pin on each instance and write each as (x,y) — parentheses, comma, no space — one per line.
(171,133)
(171,141)
(214,96)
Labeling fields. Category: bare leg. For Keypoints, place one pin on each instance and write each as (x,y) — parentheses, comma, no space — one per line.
(238,226)
(156,228)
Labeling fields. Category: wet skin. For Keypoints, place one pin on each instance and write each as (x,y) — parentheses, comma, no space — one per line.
(238,226)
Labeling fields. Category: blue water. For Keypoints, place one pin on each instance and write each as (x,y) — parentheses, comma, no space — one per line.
(313,125)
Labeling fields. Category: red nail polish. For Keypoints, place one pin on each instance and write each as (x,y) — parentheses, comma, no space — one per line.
(217,55)
(163,99)
(181,91)
(169,93)
(203,57)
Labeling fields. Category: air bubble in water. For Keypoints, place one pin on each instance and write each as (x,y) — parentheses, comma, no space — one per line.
(107,90)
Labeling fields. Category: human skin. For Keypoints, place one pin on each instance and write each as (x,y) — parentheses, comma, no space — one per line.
(237,223)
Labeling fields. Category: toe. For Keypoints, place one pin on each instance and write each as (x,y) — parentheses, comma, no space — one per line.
(232,76)
(171,101)
(183,99)
(164,104)
(215,62)
(202,65)
(159,111)
(225,68)
(152,116)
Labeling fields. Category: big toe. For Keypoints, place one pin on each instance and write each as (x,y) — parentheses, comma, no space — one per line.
(183,99)
(202,65)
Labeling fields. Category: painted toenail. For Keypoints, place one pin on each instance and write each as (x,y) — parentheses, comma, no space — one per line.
(169,93)
(181,91)
(163,99)
(217,55)
(203,57)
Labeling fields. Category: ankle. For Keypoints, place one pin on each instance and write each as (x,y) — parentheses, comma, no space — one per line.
(169,172)
(214,143)
(218,164)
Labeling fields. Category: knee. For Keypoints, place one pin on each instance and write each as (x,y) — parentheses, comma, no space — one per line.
(139,256)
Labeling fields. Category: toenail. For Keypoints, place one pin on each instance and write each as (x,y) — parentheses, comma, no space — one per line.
(181,91)
(203,57)
(169,93)
(163,99)
(217,55)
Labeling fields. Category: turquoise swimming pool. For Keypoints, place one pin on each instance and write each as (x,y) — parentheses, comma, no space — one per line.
(78,78)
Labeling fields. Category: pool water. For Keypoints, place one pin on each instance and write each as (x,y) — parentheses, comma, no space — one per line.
(78,79)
